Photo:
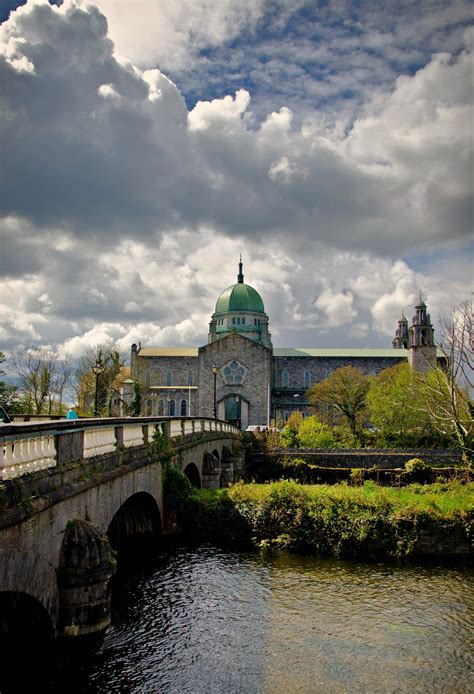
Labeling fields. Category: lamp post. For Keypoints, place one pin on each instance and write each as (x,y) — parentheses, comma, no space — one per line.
(214,372)
(97,370)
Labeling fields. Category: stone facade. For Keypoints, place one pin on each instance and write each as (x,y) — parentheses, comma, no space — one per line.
(251,396)
(300,373)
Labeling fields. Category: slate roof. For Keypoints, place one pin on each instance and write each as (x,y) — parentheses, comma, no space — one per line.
(339,352)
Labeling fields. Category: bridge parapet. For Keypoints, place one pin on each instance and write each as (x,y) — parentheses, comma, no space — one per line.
(30,447)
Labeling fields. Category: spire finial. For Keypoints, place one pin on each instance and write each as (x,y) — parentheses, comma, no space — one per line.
(240,277)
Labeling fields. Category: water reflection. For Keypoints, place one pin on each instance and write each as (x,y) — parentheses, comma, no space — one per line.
(210,621)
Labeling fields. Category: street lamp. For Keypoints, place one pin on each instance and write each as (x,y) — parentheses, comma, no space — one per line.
(97,370)
(215,371)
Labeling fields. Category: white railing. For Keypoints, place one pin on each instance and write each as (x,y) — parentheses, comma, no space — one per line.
(188,426)
(99,440)
(175,428)
(24,453)
(21,455)
(133,435)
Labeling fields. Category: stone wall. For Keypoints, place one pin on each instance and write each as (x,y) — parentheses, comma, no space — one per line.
(292,397)
(256,359)
(152,373)
(383,459)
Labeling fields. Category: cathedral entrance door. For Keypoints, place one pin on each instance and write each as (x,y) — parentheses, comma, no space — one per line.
(233,410)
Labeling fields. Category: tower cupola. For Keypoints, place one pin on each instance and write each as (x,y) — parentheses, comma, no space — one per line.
(240,309)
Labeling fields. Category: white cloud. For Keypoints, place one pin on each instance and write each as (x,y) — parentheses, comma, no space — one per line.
(137,209)
(337,306)
(218,111)
(170,32)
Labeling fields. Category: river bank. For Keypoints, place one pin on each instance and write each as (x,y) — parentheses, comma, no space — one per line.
(340,521)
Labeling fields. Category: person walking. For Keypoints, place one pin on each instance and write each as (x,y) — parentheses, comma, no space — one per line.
(71,413)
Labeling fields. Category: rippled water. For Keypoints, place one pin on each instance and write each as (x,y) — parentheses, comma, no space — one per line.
(207,620)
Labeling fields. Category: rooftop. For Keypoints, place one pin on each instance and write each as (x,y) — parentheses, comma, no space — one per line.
(283,352)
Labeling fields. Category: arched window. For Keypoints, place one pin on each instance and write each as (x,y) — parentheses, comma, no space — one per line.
(161,408)
(190,378)
(285,379)
(171,408)
(184,407)
(149,407)
(169,378)
(307,379)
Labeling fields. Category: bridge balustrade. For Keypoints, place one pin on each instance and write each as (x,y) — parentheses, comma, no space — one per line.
(98,441)
(133,436)
(31,451)
(21,455)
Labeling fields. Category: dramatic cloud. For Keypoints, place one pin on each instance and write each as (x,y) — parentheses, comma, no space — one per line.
(123,210)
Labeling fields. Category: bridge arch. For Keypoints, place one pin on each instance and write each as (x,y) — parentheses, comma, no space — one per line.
(23,619)
(138,517)
(20,567)
(192,473)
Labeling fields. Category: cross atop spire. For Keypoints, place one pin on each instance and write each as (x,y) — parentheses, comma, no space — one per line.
(240,277)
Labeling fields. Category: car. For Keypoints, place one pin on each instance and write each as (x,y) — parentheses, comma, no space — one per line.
(4,416)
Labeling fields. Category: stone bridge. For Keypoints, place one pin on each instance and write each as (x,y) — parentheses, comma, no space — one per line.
(72,492)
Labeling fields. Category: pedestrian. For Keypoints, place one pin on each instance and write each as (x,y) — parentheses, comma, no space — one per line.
(71,413)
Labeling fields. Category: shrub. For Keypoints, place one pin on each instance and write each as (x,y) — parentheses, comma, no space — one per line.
(416,465)
(314,434)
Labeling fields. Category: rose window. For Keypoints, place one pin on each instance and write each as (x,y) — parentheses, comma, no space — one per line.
(234,373)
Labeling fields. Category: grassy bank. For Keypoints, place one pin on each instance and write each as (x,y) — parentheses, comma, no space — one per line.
(336,520)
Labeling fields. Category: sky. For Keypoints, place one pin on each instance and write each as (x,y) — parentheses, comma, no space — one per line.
(146,144)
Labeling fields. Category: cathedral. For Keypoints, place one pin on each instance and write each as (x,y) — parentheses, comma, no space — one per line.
(238,376)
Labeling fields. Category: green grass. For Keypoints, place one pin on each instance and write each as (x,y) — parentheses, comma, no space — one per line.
(339,520)
(441,499)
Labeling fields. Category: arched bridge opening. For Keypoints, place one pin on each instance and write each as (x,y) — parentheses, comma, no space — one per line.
(192,473)
(23,621)
(26,633)
(138,520)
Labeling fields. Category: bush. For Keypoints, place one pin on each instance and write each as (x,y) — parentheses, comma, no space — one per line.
(177,490)
(314,434)
(416,465)
(416,470)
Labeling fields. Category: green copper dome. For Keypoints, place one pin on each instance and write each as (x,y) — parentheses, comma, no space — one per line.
(239,297)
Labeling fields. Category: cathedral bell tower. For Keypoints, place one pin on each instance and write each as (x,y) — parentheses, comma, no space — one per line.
(422,348)
(401,339)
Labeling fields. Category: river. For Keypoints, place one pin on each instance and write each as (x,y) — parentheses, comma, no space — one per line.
(206,620)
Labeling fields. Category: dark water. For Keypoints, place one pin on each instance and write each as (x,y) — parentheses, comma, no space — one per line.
(207,620)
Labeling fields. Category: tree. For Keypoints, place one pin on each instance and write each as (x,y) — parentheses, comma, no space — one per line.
(43,378)
(315,434)
(388,399)
(289,434)
(134,408)
(9,397)
(344,394)
(444,392)
(109,380)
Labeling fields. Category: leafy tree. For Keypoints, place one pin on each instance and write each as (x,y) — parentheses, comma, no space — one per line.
(343,394)
(108,381)
(134,407)
(315,434)
(289,434)
(388,398)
